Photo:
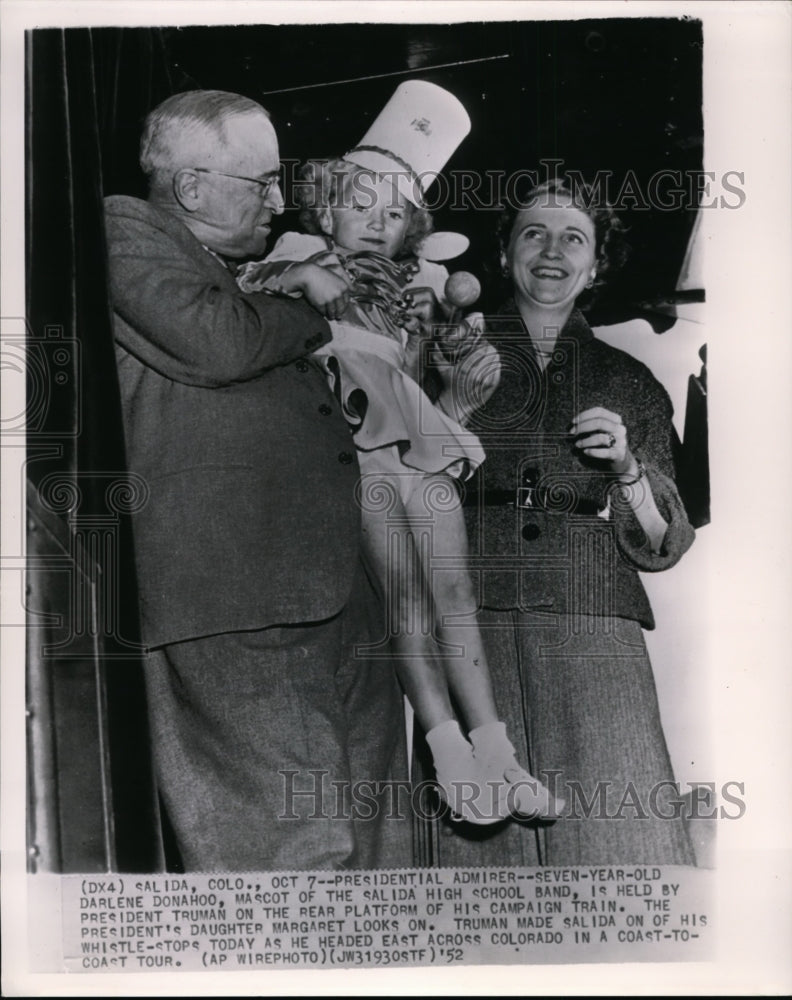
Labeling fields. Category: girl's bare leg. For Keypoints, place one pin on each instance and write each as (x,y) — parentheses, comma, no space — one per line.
(436,502)
(467,673)
(392,552)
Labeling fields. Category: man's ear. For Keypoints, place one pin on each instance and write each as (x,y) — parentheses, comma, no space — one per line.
(325,219)
(186,189)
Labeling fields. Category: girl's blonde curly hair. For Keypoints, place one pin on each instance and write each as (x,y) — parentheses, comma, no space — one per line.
(326,184)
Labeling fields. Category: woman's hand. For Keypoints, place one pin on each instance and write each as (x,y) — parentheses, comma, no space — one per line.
(323,281)
(461,338)
(600,434)
(456,338)
(471,379)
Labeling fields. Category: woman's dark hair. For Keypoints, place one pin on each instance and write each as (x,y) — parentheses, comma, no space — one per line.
(325,183)
(611,249)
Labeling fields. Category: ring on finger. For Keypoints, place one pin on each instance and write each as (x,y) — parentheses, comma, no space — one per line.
(611,440)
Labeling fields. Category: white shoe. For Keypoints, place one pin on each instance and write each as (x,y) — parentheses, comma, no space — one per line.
(472,796)
(523,795)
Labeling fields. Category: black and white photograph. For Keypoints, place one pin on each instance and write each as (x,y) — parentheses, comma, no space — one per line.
(394,540)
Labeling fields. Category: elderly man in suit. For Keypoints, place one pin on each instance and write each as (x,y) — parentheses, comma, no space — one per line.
(247,549)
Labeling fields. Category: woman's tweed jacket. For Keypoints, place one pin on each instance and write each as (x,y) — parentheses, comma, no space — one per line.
(577,547)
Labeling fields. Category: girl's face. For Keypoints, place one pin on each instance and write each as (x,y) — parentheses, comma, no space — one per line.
(371,215)
(551,253)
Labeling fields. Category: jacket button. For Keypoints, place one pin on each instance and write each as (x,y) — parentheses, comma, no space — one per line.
(531,531)
(346,458)
(325,410)
(302,366)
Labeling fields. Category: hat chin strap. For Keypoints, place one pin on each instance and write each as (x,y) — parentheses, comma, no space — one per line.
(388,154)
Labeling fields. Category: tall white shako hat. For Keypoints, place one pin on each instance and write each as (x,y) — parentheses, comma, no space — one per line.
(413,137)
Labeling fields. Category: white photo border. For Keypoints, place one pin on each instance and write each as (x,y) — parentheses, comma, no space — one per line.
(745,599)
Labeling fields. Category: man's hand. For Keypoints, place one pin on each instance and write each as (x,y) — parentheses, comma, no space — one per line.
(323,282)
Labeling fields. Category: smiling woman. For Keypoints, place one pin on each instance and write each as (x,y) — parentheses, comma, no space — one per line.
(551,253)
(576,497)
(571,237)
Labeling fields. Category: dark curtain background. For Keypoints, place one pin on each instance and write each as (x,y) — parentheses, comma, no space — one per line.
(92,805)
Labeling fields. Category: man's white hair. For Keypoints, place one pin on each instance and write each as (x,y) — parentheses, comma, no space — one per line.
(170,128)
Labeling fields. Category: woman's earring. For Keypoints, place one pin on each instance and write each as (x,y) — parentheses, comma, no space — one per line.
(590,282)
(505,269)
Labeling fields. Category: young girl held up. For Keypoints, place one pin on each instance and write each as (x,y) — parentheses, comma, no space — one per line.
(362,263)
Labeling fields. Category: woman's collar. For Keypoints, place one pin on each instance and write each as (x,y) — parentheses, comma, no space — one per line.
(576,325)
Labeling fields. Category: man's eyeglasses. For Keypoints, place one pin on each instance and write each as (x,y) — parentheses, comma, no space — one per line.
(264,186)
